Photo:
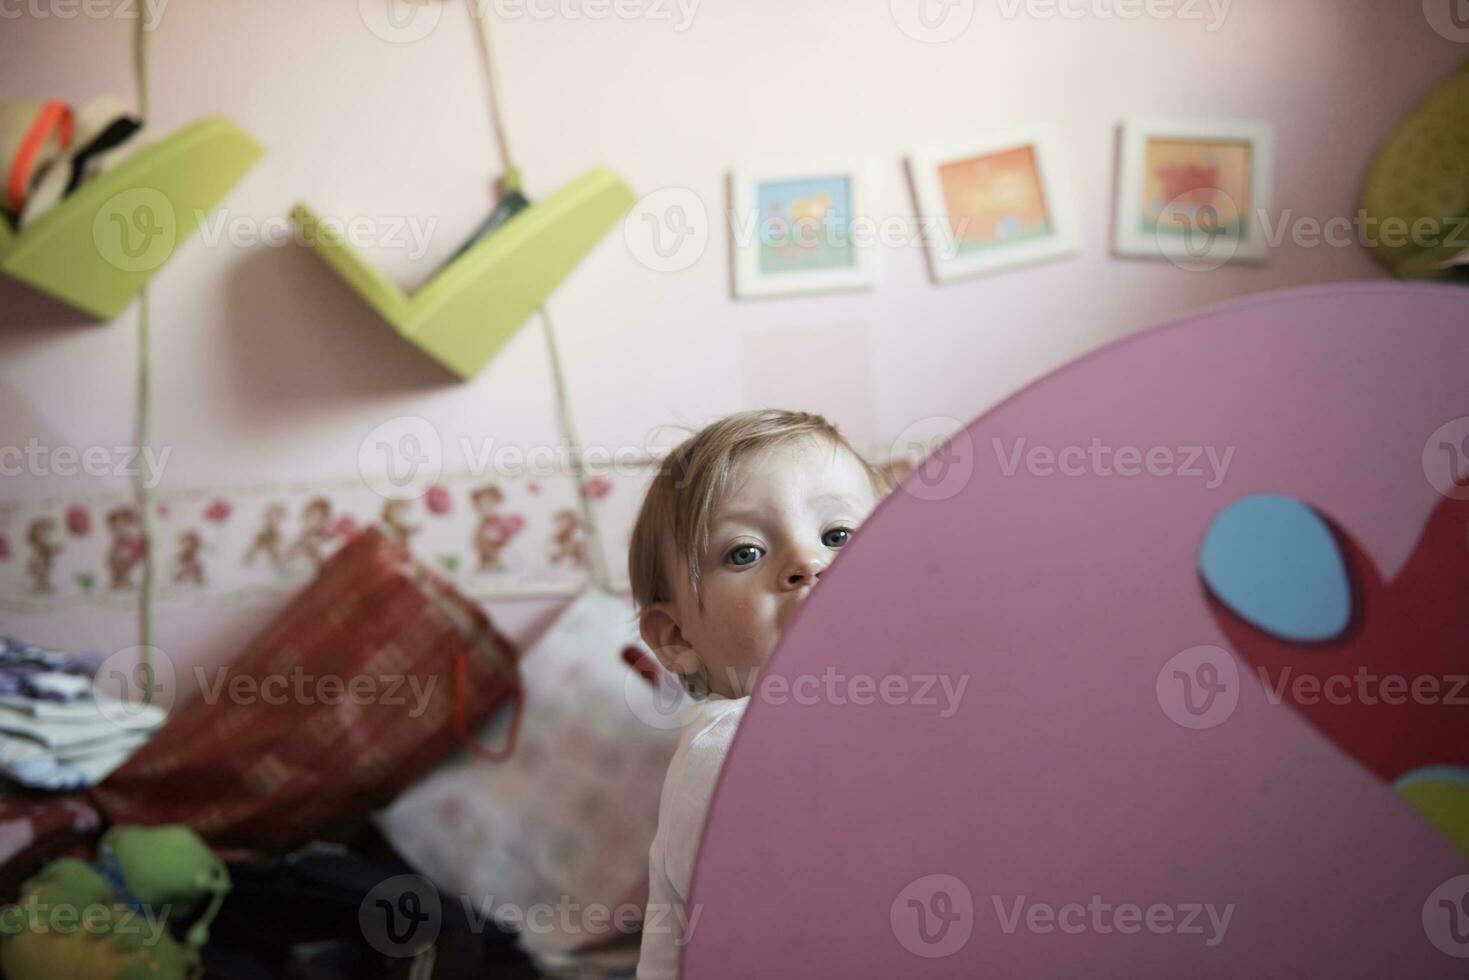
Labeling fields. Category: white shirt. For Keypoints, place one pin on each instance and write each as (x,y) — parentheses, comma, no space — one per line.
(708,729)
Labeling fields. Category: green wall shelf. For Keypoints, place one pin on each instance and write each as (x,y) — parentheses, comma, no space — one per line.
(472,307)
(99,246)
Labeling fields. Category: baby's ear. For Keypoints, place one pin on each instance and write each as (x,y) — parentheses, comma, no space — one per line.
(658,624)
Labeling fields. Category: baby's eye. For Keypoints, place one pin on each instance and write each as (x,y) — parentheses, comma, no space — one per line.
(837,537)
(744,554)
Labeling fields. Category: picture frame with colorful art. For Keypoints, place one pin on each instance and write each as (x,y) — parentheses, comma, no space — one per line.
(803,227)
(1193,191)
(997,202)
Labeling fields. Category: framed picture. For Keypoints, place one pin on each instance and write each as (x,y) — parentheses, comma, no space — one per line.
(1002,201)
(803,228)
(1194,191)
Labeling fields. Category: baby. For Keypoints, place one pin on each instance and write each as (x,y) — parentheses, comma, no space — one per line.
(736,530)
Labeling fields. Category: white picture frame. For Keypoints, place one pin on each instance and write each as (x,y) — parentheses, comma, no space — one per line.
(821,239)
(1181,217)
(1022,193)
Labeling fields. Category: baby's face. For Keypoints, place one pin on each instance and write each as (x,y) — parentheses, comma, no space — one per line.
(789,509)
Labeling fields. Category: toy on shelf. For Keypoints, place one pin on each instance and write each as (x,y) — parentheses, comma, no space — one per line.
(1417,194)
(470,308)
(99,246)
(110,920)
(104,134)
(32,136)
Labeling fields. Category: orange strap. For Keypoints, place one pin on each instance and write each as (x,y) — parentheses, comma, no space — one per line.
(469,630)
(461,713)
(54,116)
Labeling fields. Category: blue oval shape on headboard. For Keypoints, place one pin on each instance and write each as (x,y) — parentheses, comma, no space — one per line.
(1273,561)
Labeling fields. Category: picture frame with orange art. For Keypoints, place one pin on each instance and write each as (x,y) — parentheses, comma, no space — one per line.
(1194,191)
(997,202)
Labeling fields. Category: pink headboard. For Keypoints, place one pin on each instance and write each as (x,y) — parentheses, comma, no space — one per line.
(1005,829)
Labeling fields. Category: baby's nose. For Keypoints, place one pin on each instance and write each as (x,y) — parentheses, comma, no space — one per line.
(806,571)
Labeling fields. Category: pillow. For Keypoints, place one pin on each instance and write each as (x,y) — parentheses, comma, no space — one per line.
(555,841)
(354,692)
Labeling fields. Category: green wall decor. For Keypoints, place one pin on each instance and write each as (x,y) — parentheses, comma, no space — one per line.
(99,246)
(472,307)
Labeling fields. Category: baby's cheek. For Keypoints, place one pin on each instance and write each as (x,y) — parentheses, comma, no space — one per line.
(746,630)
(739,627)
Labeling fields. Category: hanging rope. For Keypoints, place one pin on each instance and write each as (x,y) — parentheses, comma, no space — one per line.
(142,418)
(497,109)
(480,14)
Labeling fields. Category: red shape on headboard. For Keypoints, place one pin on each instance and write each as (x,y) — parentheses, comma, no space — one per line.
(1415,627)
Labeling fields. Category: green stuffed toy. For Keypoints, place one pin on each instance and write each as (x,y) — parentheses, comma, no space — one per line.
(169,868)
(1416,203)
(109,920)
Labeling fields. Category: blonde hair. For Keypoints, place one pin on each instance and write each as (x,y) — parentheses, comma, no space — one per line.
(680,502)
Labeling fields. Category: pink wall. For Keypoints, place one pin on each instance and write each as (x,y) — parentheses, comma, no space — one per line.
(267,368)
